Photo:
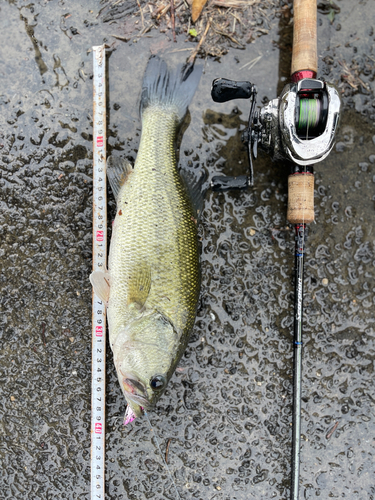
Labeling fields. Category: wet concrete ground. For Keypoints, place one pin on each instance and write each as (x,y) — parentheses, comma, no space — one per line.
(227,411)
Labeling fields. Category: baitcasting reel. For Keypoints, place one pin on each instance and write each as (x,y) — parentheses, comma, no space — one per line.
(299,126)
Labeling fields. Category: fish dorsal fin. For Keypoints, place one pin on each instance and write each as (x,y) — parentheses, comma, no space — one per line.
(139,286)
(100,281)
(194,188)
(118,170)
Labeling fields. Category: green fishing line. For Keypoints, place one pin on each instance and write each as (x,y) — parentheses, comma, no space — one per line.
(309,113)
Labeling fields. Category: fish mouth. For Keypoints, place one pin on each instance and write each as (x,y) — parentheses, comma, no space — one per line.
(136,392)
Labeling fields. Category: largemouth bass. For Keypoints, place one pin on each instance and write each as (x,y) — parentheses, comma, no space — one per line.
(152,284)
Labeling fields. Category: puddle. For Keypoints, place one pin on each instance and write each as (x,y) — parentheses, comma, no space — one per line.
(227,411)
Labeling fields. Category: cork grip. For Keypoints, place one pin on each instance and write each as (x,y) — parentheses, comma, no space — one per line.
(304,36)
(300,198)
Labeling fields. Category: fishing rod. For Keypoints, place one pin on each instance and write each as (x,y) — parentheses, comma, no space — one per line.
(298,127)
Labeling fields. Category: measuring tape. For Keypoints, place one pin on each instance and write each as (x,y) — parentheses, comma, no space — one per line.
(99,263)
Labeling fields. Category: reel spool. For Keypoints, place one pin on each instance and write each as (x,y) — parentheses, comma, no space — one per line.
(309,120)
(311,114)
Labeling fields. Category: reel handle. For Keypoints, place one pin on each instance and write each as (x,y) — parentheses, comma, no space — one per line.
(305,52)
(224,90)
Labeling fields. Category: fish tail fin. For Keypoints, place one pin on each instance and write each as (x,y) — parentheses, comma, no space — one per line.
(168,89)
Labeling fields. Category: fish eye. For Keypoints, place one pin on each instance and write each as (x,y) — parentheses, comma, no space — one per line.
(158,382)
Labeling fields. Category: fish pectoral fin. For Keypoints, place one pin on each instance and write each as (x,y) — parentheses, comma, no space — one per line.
(100,281)
(118,170)
(139,286)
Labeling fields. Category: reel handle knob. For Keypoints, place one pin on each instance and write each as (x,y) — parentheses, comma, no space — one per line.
(224,90)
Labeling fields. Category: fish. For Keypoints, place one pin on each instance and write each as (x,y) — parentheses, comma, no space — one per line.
(152,285)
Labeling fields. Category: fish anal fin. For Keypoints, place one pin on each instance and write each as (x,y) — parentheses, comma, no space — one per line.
(118,171)
(100,281)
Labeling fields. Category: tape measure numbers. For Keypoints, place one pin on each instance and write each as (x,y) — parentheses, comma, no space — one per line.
(99,258)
